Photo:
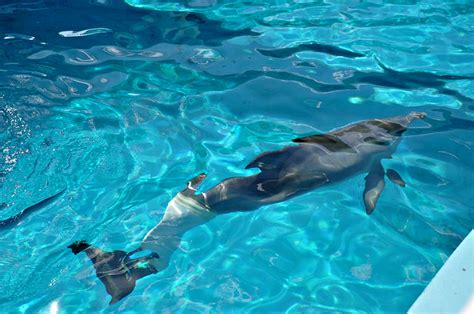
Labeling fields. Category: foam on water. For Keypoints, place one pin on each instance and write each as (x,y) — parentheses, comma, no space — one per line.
(122,103)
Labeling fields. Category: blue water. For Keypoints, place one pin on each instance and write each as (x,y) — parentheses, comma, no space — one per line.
(122,102)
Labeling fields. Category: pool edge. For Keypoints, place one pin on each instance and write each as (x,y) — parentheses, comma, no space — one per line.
(452,288)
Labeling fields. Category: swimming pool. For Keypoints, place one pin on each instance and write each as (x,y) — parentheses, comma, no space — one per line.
(121,103)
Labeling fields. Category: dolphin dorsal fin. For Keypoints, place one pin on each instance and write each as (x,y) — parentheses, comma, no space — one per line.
(193,184)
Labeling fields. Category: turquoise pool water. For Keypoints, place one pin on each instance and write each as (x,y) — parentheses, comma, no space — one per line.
(120,103)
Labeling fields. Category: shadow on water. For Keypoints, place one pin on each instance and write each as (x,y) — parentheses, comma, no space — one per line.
(16,219)
(387,78)
(410,81)
(110,25)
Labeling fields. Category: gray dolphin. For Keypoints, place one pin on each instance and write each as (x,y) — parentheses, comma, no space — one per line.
(318,160)
(315,161)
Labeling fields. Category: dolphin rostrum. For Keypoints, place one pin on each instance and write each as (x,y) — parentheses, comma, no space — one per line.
(316,161)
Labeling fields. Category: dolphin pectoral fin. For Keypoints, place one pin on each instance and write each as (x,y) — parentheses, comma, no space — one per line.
(197,180)
(371,195)
(117,271)
(395,177)
(374,185)
(193,184)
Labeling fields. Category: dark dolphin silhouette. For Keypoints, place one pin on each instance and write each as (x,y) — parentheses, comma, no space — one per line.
(315,161)
(318,160)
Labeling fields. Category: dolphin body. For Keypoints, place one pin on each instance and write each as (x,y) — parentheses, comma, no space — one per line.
(318,160)
(315,161)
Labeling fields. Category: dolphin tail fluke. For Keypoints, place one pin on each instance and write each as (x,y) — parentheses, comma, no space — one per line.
(117,271)
(374,185)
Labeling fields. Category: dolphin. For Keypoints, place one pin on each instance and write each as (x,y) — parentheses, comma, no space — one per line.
(314,161)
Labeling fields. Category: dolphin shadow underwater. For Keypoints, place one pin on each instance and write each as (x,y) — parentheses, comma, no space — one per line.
(316,161)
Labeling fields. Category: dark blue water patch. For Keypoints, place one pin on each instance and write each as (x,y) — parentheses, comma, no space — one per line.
(123,26)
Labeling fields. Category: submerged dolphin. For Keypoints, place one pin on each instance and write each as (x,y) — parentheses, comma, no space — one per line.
(316,161)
